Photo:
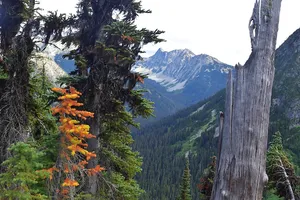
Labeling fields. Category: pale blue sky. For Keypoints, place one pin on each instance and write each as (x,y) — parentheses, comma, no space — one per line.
(215,27)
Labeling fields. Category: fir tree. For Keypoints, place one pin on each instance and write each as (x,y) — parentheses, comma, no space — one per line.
(22,180)
(121,161)
(185,186)
(108,44)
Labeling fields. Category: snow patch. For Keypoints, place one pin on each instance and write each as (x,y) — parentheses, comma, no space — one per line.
(164,80)
(170,83)
(178,86)
(142,70)
(225,70)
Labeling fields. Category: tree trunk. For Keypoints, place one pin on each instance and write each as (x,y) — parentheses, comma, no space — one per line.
(93,146)
(93,143)
(287,181)
(14,99)
(241,166)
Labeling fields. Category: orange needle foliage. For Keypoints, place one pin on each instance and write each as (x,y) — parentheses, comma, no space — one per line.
(94,171)
(74,151)
(125,37)
(51,172)
(68,182)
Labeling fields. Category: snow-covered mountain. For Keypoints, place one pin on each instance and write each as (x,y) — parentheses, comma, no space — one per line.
(180,78)
(176,69)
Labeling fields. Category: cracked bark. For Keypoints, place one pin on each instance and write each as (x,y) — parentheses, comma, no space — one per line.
(242,161)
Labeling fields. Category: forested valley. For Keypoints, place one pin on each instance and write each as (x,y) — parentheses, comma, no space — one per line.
(81,125)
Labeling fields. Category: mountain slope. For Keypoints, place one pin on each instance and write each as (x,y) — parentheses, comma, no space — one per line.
(192,131)
(285,110)
(182,77)
(165,144)
(286,92)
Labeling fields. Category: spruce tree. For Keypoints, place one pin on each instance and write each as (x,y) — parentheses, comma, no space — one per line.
(185,186)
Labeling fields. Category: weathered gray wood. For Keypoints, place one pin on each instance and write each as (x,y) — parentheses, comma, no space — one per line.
(241,166)
(221,126)
(286,180)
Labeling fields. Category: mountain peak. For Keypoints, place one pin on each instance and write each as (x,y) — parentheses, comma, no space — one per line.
(174,53)
(159,52)
(187,51)
(183,51)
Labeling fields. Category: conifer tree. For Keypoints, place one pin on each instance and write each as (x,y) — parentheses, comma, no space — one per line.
(280,170)
(15,52)
(22,27)
(185,186)
(108,44)
(23,177)
(73,154)
(207,180)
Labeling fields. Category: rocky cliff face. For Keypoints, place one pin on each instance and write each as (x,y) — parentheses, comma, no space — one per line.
(52,70)
(286,90)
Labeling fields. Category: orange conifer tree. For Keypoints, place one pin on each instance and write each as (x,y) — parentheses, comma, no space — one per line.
(74,156)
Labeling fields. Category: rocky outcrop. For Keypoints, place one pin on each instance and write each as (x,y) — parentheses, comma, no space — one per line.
(52,70)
